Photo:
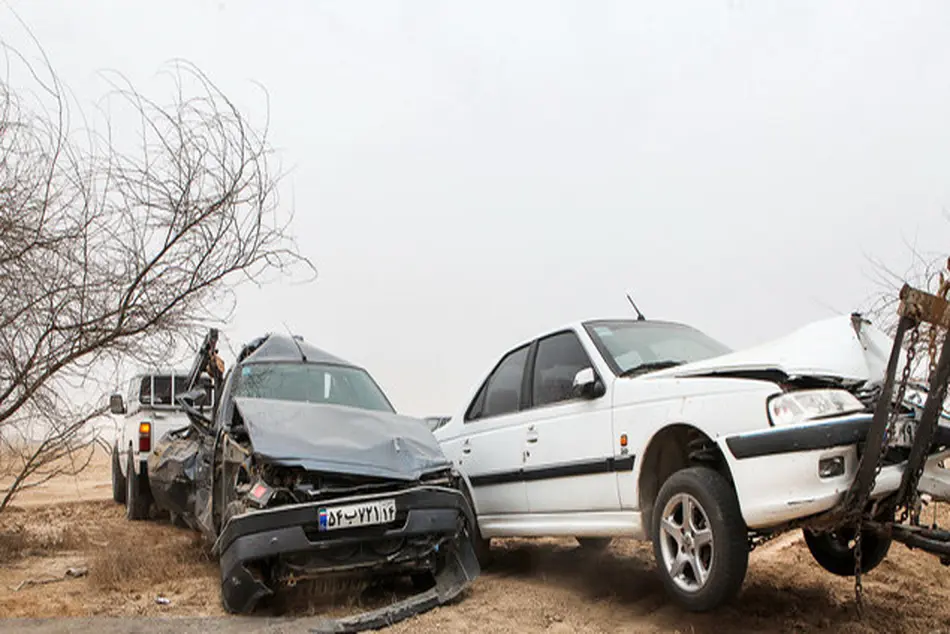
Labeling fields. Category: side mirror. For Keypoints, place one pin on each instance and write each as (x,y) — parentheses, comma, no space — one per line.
(116,404)
(586,384)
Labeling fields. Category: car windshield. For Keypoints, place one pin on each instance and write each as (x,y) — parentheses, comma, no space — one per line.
(310,383)
(633,347)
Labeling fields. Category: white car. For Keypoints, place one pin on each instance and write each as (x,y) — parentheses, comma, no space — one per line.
(653,430)
(149,411)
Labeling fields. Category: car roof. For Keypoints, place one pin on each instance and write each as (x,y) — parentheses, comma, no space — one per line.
(142,373)
(580,324)
(280,347)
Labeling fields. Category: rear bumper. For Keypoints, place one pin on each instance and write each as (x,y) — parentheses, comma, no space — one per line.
(776,470)
(288,539)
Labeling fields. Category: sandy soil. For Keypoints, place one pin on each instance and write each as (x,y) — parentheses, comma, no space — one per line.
(544,585)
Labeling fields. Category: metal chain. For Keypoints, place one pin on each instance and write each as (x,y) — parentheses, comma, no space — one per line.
(891,425)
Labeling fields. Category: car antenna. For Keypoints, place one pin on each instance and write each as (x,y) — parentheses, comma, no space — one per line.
(640,316)
(296,343)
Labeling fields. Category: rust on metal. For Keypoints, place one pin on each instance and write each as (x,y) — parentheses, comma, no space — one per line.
(924,307)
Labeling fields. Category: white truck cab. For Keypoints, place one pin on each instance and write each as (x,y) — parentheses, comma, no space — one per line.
(147,411)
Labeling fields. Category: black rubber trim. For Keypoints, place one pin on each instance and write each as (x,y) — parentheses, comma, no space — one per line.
(568,470)
(835,433)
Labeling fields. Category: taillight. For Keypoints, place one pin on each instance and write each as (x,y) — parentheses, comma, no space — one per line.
(145,437)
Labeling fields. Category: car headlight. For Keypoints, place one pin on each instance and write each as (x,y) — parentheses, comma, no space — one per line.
(797,407)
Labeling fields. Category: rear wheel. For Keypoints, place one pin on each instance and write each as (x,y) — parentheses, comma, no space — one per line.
(118,480)
(700,541)
(138,498)
(594,544)
(834,550)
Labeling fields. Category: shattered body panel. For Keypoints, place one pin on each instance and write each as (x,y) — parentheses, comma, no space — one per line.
(843,349)
(304,483)
(340,439)
(428,521)
(173,466)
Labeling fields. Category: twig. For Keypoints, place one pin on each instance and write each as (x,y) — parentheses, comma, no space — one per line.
(71,573)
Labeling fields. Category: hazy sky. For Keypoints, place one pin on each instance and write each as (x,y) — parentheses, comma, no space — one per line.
(466,175)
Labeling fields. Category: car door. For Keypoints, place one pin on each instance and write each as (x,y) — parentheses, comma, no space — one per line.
(569,465)
(490,448)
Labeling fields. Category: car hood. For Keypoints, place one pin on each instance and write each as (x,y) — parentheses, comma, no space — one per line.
(845,349)
(337,439)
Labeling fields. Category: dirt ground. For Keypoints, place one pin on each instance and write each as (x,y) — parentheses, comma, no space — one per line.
(544,585)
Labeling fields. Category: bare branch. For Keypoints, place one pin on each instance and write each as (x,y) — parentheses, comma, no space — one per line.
(109,255)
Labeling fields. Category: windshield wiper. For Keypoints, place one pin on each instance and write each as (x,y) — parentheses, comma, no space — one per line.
(649,367)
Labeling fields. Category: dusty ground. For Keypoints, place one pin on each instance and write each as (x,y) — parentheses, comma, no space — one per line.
(535,585)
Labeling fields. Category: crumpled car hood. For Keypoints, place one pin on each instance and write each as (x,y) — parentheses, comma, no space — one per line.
(840,348)
(337,439)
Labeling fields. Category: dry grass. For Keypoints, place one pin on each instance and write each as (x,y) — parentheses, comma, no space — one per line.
(55,534)
(13,544)
(129,558)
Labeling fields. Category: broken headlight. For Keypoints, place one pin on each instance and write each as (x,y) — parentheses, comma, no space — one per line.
(797,407)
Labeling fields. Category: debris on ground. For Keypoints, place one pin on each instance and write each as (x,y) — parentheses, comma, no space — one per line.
(71,573)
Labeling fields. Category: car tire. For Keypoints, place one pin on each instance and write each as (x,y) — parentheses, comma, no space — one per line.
(700,540)
(594,544)
(833,552)
(118,480)
(137,497)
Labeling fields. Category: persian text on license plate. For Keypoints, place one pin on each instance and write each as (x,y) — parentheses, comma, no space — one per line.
(362,514)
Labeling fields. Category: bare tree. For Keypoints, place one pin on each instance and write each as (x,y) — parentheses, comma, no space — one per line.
(111,254)
(925,271)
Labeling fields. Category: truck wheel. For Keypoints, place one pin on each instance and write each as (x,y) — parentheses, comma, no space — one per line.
(137,497)
(834,552)
(594,544)
(118,481)
(700,541)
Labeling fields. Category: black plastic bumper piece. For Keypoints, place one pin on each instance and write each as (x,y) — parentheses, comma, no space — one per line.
(823,435)
(460,569)
(290,531)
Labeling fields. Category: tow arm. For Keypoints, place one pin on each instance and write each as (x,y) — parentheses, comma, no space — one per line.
(897,516)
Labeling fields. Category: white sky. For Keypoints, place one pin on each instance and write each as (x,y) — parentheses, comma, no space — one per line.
(466,175)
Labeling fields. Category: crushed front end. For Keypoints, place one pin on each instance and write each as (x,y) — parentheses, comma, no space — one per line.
(289,525)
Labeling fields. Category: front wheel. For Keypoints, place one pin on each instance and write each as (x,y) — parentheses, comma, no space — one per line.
(834,550)
(700,541)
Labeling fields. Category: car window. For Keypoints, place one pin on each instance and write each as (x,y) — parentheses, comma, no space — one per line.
(627,344)
(312,383)
(133,393)
(162,390)
(501,393)
(145,391)
(559,358)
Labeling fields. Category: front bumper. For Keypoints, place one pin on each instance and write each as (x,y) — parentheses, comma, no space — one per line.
(776,470)
(427,518)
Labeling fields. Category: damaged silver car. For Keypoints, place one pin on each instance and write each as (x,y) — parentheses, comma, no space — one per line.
(304,469)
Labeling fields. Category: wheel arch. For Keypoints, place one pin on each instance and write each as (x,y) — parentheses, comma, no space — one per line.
(673,448)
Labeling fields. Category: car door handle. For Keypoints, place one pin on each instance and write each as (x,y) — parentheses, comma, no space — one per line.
(466,448)
(532,436)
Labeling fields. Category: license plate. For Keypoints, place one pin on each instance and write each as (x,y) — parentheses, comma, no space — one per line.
(353,515)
